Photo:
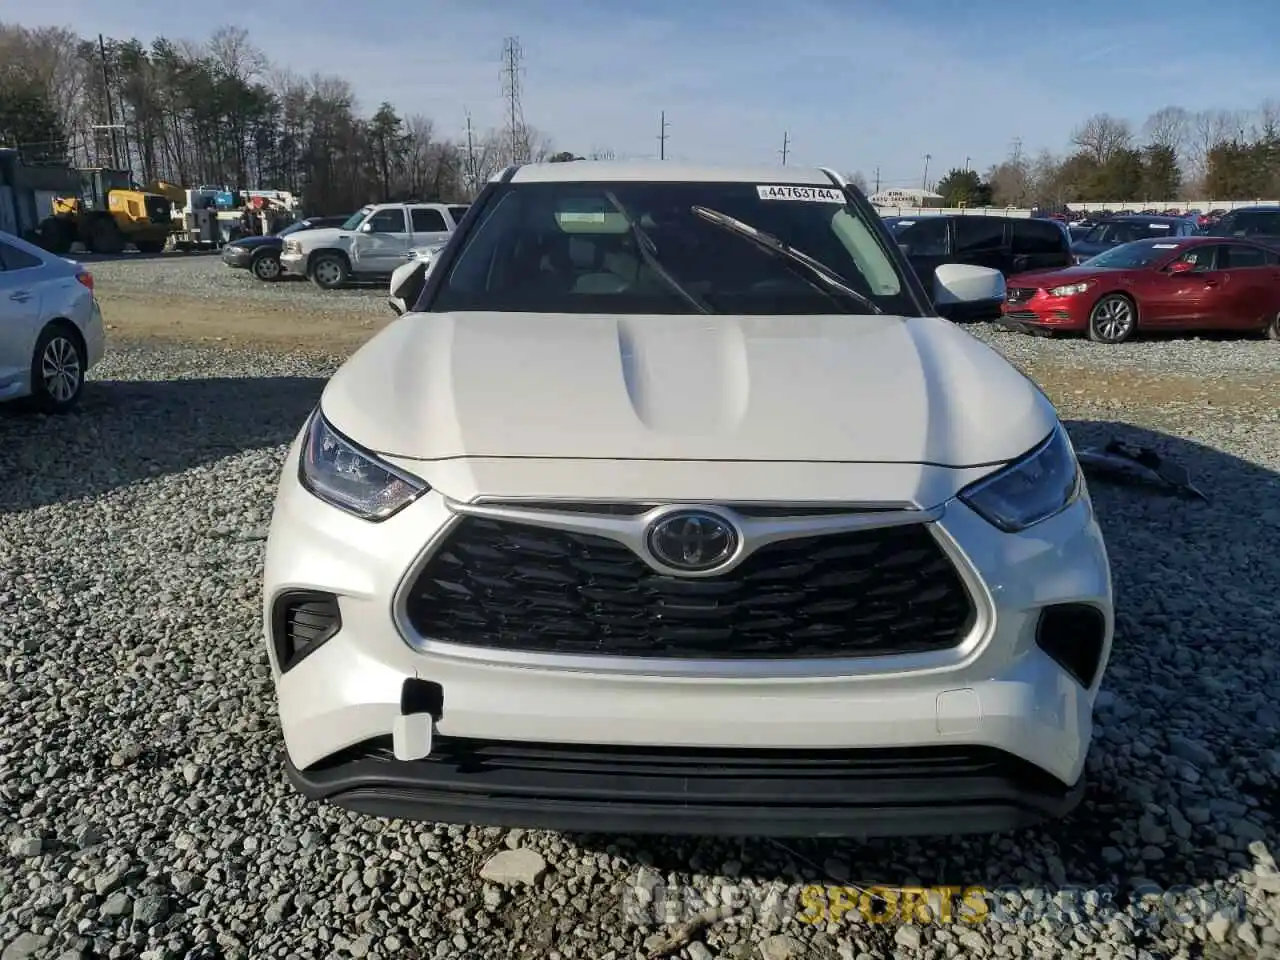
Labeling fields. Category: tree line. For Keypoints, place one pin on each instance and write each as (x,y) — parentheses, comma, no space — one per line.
(219,113)
(1174,155)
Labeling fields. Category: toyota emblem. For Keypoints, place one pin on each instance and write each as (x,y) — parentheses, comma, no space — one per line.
(692,541)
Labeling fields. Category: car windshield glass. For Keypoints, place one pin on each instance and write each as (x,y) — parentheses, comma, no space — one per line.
(1126,231)
(294,228)
(1132,256)
(356,218)
(639,248)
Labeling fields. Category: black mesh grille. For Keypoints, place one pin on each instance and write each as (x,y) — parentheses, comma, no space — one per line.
(1029,315)
(525,588)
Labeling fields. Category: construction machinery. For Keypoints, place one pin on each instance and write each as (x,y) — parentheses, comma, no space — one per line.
(109,212)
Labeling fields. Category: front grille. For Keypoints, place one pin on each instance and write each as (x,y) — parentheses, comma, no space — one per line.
(1028,315)
(524,588)
(1019,294)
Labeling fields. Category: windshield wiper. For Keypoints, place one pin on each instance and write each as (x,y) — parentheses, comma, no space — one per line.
(648,253)
(818,274)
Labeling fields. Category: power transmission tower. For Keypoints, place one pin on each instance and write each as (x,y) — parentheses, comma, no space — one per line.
(786,143)
(511,74)
(662,136)
(924,180)
(877,190)
(1016,152)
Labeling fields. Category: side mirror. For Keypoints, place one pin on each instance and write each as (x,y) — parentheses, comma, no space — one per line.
(366,228)
(1181,266)
(956,283)
(406,285)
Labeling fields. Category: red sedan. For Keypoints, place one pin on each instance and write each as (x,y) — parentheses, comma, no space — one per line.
(1189,283)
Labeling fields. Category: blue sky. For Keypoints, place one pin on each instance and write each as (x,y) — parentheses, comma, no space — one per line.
(856,85)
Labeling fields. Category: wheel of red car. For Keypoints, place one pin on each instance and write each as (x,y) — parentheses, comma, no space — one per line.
(1273,328)
(1113,319)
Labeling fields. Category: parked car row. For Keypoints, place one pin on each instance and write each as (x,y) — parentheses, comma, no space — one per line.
(334,251)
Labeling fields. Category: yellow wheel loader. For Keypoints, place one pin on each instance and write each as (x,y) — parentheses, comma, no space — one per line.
(110,211)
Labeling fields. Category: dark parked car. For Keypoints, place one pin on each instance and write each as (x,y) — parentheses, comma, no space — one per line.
(261,255)
(1008,244)
(1125,229)
(1252,223)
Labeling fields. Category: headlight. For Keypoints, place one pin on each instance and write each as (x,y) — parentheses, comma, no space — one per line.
(344,476)
(1068,290)
(1043,483)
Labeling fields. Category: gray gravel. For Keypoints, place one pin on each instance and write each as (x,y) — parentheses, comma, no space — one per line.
(144,813)
(1210,358)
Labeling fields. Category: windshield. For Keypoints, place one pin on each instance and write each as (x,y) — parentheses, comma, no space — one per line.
(1126,231)
(575,248)
(294,228)
(356,218)
(1132,256)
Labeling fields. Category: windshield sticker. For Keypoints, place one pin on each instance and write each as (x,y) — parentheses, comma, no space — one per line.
(906,223)
(1158,226)
(810,194)
(1164,246)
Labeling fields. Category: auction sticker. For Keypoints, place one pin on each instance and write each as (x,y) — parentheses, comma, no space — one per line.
(810,194)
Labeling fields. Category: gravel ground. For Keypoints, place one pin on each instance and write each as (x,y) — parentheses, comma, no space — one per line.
(143,808)
(205,275)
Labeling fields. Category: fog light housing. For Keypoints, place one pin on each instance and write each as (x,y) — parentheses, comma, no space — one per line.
(301,622)
(1073,635)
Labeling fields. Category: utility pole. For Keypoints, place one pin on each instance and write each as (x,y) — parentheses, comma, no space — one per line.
(106,95)
(511,70)
(967,161)
(471,158)
(877,190)
(924,180)
(786,142)
(662,136)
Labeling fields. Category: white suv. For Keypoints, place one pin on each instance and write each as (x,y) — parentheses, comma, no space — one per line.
(373,242)
(671,505)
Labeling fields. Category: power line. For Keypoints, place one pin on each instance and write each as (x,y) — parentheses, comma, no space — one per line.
(786,143)
(662,136)
(512,55)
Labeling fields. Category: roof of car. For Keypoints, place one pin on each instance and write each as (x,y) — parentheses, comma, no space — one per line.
(663,171)
(1158,217)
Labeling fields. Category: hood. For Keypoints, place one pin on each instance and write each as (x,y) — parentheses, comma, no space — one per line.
(252,243)
(1052,278)
(321,235)
(834,389)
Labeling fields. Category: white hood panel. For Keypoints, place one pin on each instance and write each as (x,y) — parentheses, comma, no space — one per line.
(835,389)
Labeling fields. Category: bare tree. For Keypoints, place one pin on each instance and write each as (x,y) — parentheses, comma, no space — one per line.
(1209,129)
(1102,136)
(1167,127)
(236,55)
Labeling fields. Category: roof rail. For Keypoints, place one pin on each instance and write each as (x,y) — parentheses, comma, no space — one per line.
(508,173)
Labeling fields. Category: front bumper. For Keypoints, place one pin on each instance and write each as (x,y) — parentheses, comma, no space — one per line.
(1046,315)
(237,257)
(993,738)
(293,264)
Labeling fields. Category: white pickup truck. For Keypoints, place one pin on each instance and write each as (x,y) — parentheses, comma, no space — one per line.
(373,242)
